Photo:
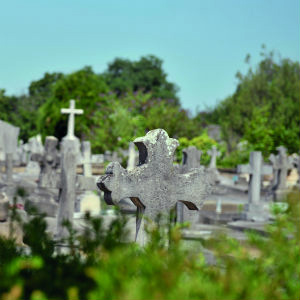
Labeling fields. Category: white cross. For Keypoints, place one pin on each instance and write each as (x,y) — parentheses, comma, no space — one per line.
(72,112)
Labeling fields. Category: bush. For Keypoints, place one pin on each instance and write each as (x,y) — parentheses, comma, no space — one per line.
(101,266)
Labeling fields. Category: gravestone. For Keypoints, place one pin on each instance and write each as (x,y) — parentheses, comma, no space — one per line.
(86,158)
(190,159)
(4,207)
(71,111)
(49,162)
(213,153)
(67,191)
(296,163)
(9,141)
(255,168)
(155,186)
(35,145)
(281,163)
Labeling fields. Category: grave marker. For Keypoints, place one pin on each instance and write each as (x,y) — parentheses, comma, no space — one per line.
(155,185)
(214,153)
(255,169)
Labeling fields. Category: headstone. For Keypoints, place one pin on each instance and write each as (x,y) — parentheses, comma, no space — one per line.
(35,145)
(71,111)
(86,158)
(281,164)
(4,207)
(190,159)
(296,163)
(9,141)
(256,169)
(49,163)
(67,192)
(155,186)
(132,157)
(213,153)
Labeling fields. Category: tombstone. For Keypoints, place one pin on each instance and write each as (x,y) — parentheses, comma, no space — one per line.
(281,164)
(155,186)
(254,208)
(71,111)
(4,207)
(296,163)
(214,153)
(132,157)
(67,191)
(86,158)
(49,162)
(32,170)
(9,139)
(35,145)
(190,159)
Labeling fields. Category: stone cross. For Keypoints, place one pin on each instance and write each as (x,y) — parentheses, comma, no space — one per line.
(190,159)
(155,186)
(255,169)
(86,158)
(281,164)
(214,153)
(71,111)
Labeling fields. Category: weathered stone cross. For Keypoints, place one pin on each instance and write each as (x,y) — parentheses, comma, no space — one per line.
(256,169)
(71,111)
(190,158)
(155,185)
(281,164)
(214,153)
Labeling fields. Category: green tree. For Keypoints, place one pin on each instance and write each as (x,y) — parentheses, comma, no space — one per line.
(86,88)
(146,75)
(274,84)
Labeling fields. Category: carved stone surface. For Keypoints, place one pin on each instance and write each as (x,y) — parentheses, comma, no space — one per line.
(154,186)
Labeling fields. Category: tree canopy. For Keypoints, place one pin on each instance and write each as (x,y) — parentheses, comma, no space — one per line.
(132,97)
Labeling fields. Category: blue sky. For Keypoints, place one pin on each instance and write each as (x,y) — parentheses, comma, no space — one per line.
(202,43)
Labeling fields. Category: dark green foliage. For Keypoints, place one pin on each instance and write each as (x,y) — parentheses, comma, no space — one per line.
(145,75)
